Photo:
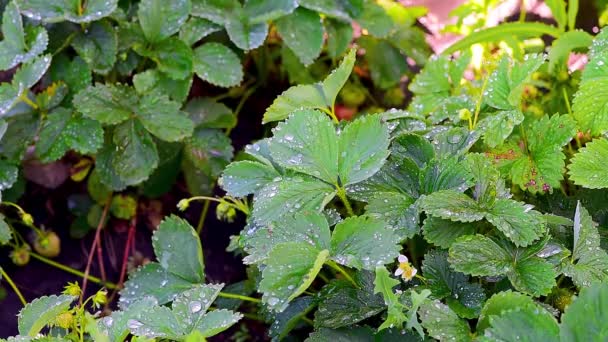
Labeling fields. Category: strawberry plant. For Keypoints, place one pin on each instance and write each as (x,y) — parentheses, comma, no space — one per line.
(380,195)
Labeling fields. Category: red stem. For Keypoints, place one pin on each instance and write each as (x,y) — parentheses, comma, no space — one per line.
(87,270)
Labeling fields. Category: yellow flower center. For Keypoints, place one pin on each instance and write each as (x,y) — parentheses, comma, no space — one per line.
(408,270)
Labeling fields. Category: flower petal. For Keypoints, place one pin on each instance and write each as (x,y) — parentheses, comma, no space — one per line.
(402,258)
(399,271)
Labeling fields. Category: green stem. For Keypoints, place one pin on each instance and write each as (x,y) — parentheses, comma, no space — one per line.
(240,297)
(12,285)
(201,220)
(331,113)
(29,102)
(478,104)
(567,101)
(65,44)
(73,271)
(342,195)
(342,271)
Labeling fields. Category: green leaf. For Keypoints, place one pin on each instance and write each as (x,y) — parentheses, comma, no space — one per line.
(588,165)
(259,11)
(363,147)
(398,178)
(42,312)
(302,31)
(19,135)
(588,106)
(216,321)
(397,211)
(163,118)
(505,85)
(12,27)
(188,316)
(524,324)
(214,10)
(339,35)
(341,9)
(533,275)
(517,221)
(498,126)
(209,151)
(178,249)
(8,174)
(30,73)
(375,20)
(538,166)
(205,112)
(152,280)
(296,141)
(246,177)
(417,300)
(154,81)
(6,233)
(97,46)
(157,321)
(115,326)
(589,262)
(502,302)
(584,319)
(479,256)
(384,284)
(53,11)
(351,334)
(108,104)
(290,269)
(414,147)
(218,65)
(443,233)
(444,174)
(291,317)
(363,242)
(444,282)
(342,304)
(566,43)
(306,227)
(318,96)
(451,205)
(161,19)
(196,29)
(75,73)
(488,183)
(386,63)
(135,155)
(63,131)
(411,41)
(442,323)
(504,31)
(432,78)
(190,306)
(454,141)
(17,46)
(244,35)
(173,57)
(558,9)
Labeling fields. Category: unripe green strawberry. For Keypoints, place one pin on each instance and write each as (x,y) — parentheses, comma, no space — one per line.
(48,244)
(394,97)
(64,320)
(352,95)
(21,255)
